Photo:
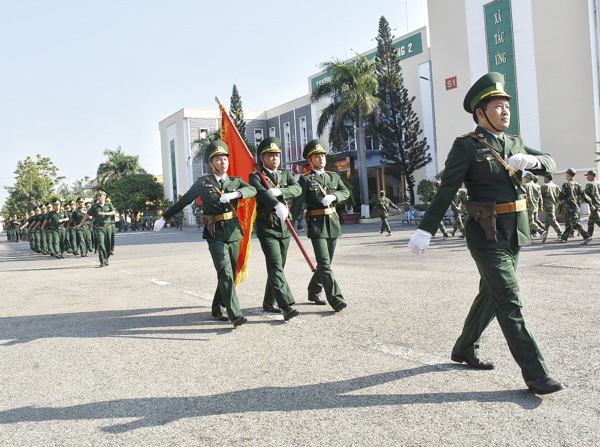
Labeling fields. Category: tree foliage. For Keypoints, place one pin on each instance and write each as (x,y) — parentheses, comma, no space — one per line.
(398,128)
(117,165)
(133,193)
(353,87)
(202,143)
(236,112)
(35,182)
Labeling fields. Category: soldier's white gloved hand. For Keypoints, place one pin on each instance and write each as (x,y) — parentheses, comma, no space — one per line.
(275,192)
(328,199)
(281,211)
(419,242)
(229,196)
(518,162)
(159,224)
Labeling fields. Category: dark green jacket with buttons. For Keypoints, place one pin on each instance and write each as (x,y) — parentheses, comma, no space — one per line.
(206,188)
(486,180)
(265,202)
(321,226)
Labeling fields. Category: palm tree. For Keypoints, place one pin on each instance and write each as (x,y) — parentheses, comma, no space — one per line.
(118,165)
(353,86)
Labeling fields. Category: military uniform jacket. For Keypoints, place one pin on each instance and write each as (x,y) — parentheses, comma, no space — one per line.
(323,225)
(78,216)
(571,192)
(384,206)
(100,221)
(550,193)
(206,188)
(265,202)
(592,189)
(486,180)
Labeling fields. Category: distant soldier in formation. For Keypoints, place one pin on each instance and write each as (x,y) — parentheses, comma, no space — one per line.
(533,201)
(100,215)
(456,206)
(81,241)
(384,205)
(550,192)
(592,189)
(538,201)
(571,193)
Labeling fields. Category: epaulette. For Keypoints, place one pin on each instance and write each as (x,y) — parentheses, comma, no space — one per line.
(467,135)
(330,172)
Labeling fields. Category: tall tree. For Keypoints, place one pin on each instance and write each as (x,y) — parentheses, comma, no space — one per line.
(353,86)
(117,165)
(133,193)
(398,128)
(35,181)
(236,112)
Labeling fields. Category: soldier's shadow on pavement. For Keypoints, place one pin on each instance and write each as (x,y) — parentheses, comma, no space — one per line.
(147,323)
(157,411)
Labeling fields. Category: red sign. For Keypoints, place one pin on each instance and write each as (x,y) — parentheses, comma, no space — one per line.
(451,83)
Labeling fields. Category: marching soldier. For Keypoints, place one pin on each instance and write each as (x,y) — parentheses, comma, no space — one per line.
(571,193)
(592,189)
(321,190)
(101,214)
(220,194)
(532,199)
(491,163)
(271,229)
(456,207)
(384,205)
(81,242)
(550,192)
(111,228)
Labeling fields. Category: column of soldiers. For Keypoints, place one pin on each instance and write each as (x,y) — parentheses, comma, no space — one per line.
(56,229)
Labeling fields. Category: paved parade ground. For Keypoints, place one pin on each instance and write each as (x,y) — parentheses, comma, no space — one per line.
(129,355)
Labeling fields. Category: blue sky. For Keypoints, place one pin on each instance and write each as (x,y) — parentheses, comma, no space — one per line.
(79,77)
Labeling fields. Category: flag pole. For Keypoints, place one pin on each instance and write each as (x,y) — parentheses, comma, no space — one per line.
(266,185)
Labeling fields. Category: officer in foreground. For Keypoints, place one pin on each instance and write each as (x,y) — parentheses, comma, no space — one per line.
(321,190)
(271,229)
(220,194)
(491,164)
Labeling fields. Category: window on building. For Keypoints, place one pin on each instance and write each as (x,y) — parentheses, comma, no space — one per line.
(272,132)
(258,137)
(287,141)
(303,137)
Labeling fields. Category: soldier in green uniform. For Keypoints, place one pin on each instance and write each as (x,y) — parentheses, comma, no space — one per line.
(35,231)
(550,192)
(456,206)
(321,190)
(101,214)
(71,235)
(111,228)
(56,222)
(491,163)
(384,204)
(272,209)
(592,189)
(571,193)
(441,226)
(43,233)
(220,194)
(532,201)
(80,246)
(88,233)
(539,202)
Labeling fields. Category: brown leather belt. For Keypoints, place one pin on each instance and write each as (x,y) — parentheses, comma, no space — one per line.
(325,211)
(512,207)
(224,216)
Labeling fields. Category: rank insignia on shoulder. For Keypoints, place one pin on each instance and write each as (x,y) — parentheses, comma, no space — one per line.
(468,134)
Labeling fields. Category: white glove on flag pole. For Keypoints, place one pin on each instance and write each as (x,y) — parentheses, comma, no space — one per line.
(281,211)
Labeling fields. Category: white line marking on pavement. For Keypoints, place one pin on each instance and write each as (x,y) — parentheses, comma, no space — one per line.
(412,355)
(158,282)
(204,296)
(127,272)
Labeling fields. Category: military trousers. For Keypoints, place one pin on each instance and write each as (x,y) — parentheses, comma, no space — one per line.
(499,298)
(73,239)
(225,256)
(551,220)
(594,219)
(111,229)
(323,278)
(37,240)
(87,234)
(385,226)
(458,223)
(103,243)
(277,289)
(58,241)
(572,224)
(81,241)
(44,241)
(533,225)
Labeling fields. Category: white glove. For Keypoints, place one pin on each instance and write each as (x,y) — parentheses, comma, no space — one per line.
(159,224)
(275,192)
(281,211)
(518,162)
(328,199)
(419,242)
(229,196)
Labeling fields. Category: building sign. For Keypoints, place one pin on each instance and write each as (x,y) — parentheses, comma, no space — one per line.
(451,83)
(501,52)
(410,46)
(173,170)
(342,165)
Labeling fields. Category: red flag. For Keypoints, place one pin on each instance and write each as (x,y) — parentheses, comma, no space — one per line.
(241,164)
